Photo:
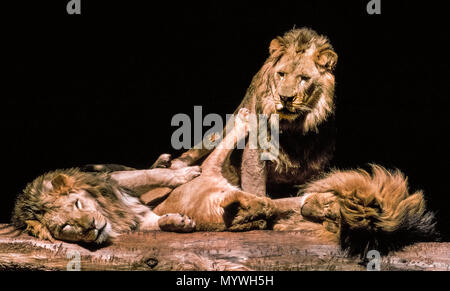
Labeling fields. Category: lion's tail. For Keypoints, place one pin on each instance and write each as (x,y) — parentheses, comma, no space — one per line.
(376,210)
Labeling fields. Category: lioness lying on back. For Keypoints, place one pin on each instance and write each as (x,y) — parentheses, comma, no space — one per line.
(216,204)
(76,206)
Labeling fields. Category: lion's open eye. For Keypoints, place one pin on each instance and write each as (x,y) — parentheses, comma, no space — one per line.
(305,78)
(78,204)
(281,74)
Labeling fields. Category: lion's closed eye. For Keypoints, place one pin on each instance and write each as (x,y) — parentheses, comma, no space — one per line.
(78,204)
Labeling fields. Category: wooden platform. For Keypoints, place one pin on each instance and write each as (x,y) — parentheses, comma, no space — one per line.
(254,250)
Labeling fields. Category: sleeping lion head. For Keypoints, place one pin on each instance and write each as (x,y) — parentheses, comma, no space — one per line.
(297,81)
(73,206)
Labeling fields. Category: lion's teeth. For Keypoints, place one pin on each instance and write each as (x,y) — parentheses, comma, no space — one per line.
(279,106)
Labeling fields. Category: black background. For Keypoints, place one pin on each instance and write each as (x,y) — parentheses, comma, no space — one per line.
(102,87)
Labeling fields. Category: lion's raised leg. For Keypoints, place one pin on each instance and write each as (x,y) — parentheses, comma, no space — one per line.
(141,181)
(253,172)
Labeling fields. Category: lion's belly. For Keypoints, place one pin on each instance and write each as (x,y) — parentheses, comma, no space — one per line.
(201,200)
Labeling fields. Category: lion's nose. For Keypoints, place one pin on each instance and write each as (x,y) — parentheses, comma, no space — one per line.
(88,222)
(287,98)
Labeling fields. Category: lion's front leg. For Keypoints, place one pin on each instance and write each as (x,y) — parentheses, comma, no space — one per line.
(141,181)
(253,172)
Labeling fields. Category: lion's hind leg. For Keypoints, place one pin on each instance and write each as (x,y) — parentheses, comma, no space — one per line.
(245,211)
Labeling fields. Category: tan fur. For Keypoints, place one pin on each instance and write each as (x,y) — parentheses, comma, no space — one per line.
(212,201)
(369,211)
(361,210)
(84,207)
(303,98)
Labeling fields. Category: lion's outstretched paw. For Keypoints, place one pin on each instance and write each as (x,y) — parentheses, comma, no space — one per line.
(243,208)
(178,163)
(176,223)
(163,161)
(184,175)
(321,207)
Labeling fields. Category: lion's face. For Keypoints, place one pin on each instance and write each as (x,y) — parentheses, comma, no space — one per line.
(295,78)
(76,217)
(74,206)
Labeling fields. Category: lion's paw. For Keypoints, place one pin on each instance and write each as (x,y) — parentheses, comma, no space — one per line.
(163,161)
(176,223)
(321,207)
(242,208)
(184,175)
(178,163)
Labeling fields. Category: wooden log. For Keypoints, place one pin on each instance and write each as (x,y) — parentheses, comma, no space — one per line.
(253,250)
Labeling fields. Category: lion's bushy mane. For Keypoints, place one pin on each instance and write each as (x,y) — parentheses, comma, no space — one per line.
(260,96)
(298,40)
(36,199)
(377,210)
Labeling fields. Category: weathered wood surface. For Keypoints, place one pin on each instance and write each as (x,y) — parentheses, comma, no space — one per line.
(254,250)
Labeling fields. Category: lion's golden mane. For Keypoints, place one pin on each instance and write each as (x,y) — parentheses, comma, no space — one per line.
(43,208)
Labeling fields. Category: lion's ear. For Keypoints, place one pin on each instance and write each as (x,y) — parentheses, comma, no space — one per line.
(327,59)
(60,181)
(275,45)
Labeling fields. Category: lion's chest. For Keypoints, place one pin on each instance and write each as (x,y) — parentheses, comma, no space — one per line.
(300,159)
(284,174)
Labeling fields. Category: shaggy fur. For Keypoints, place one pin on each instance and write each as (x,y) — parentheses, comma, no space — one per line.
(360,210)
(84,207)
(297,83)
(212,201)
(369,211)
